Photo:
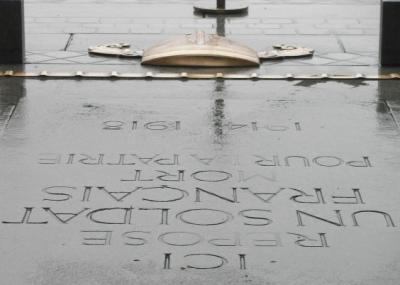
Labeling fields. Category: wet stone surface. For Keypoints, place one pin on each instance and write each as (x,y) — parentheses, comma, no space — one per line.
(200,182)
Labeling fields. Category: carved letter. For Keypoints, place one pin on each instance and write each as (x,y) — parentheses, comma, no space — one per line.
(339,223)
(61,196)
(242,261)
(242,178)
(113,125)
(89,160)
(124,216)
(121,161)
(233,200)
(306,163)
(235,241)
(164,188)
(68,216)
(205,161)
(167,161)
(328,161)
(173,177)
(388,218)
(364,163)
(305,241)
(26,218)
(167,260)
(267,162)
(137,177)
(156,126)
(220,261)
(196,219)
(266,197)
(146,160)
(181,238)
(276,241)
(211,176)
(356,199)
(137,240)
(164,214)
(104,239)
(319,198)
(255,214)
(118,196)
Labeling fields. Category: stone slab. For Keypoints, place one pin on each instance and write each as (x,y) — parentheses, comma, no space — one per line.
(360,43)
(46,42)
(201,182)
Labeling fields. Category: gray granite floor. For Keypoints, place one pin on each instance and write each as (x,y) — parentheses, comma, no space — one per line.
(231,182)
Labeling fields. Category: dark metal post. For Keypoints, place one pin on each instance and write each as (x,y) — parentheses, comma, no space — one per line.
(390,33)
(220,8)
(12,43)
(220,4)
(221,25)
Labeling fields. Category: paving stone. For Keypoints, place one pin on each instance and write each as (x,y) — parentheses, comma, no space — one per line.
(56,61)
(116,20)
(97,25)
(340,56)
(313,31)
(198,26)
(360,43)
(371,32)
(243,21)
(37,58)
(315,60)
(87,59)
(365,26)
(264,26)
(84,20)
(82,42)
(114,30)
(366,60)
(80,29)
(50,20)
(330,26)
(349,22)
(248,31)
(148,20)
(62,54)
(277,21)
(349,32)
(280,31)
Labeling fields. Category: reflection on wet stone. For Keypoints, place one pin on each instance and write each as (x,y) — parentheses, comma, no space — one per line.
(11,91)
(219,112)
(221,26)
(389,95)
(219,120)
